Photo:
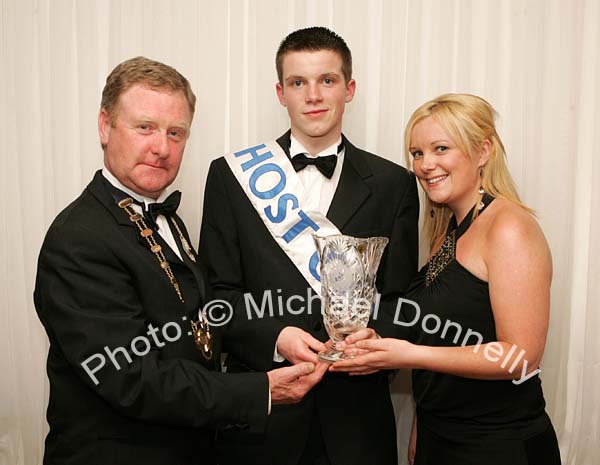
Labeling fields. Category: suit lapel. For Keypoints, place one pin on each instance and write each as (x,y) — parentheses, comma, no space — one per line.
(103,191)
(109,196)
(285,141)
(352,190)
(194,267)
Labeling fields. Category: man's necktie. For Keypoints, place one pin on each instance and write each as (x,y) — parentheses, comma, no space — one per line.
(326,165)
(167,208)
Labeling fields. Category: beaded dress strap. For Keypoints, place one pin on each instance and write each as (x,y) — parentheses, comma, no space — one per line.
(447,252)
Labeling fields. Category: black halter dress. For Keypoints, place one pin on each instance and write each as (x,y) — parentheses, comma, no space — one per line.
(460,420)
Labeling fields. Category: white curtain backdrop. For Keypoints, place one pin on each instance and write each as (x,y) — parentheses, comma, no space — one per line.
(536,61)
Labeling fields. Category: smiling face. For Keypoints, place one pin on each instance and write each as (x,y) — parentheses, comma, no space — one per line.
(447,174)
(145,139)
(315,93)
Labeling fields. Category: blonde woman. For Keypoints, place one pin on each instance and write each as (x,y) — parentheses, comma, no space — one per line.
(480,306)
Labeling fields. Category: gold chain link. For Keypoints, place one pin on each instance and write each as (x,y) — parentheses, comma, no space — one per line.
(147,234)
(186,245)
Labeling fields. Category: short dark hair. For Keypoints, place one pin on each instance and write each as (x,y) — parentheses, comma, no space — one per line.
(314,39)
(142,70)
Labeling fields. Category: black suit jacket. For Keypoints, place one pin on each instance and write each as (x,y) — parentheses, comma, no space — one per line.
(99,287)
(374,197)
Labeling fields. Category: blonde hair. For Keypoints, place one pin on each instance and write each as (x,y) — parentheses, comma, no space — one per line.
(469,122)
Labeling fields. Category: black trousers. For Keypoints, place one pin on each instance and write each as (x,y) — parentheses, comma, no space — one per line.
(315,452)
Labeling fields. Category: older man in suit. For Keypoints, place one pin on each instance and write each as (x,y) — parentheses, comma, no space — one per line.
(119,290)
(253,260)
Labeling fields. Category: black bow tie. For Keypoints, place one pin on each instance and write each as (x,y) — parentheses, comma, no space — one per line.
(326,165)
(167,208)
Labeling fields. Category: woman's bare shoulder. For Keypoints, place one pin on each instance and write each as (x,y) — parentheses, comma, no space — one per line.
(514,232)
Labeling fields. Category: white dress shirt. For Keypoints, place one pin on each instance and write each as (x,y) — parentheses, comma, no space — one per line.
(161,221)
(319,189)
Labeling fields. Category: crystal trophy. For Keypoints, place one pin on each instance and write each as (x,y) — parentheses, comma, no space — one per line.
(348,271)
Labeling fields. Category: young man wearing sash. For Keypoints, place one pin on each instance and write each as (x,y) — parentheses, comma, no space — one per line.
(261,206)
(119,290)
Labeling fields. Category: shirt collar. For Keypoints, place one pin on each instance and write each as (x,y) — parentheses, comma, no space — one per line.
(296,148)
(140,198)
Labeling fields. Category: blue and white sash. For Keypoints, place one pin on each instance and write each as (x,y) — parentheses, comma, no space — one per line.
(276,192)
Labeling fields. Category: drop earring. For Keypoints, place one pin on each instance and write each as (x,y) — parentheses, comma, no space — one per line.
(481,190)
